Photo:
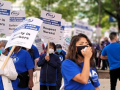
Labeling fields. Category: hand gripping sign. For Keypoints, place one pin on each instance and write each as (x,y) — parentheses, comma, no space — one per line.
(23,35)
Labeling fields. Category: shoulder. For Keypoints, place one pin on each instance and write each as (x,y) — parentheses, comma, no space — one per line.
(69,62)
(55,55)
(43,55)
(34,47)
(23,51)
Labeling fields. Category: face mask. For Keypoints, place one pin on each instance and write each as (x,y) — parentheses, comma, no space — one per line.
(59,50)
(3,50)
(10,47)
(51,51)
(0,51)
(79,48)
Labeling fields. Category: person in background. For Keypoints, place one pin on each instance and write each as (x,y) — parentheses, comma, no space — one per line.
(105,42)
(59,52)
(9,72)
(62,58)
(112,53)
(105,63)
(24,66)
(36,55)
(49,65)
(99,59)
(78,69)
(31,52)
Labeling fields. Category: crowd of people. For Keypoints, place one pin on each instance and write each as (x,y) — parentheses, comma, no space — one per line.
(78,66)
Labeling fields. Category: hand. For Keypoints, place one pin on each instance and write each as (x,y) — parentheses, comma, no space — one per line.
(31,84)
(47,58)
(87,53)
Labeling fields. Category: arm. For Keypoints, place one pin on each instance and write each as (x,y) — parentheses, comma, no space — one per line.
(83,77)
(104,54)
(56,63)
(41,61)
(30,78)
(103,57)
(10,71)
(97,88)
(36,60)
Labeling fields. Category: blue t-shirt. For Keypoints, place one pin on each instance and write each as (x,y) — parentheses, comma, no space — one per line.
(70,70)
(23,62)
(112,51)
(1,84)
(36,52)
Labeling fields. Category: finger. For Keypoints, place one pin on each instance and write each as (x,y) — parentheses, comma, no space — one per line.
(82,51)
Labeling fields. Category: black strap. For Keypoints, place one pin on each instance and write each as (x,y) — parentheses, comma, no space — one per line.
(91,80)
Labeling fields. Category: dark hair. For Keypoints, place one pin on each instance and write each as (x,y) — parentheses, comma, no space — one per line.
(72,55)
(51,44)
(58,46)
(112,35)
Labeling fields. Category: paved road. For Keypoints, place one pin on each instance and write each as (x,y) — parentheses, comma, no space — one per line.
(105,84)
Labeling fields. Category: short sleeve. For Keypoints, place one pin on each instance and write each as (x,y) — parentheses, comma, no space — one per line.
(104,53)
(29,62)
(95,78)
(69,69)
(36,52)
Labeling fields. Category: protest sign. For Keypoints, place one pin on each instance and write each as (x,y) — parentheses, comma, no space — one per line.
(68,29)
(81,27)
(25,33)
(16,17)
(50,29)
(39,42)
(66,43)
(61,32)
(4,17)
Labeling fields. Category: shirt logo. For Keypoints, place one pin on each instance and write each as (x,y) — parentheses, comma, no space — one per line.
(15,59)
(61,58)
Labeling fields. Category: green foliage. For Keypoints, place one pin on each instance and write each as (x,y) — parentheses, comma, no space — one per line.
(71,8)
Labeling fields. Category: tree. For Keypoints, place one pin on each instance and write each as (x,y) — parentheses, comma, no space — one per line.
(82,8)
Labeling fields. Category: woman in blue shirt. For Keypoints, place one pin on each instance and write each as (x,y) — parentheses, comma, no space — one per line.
(49,65)
(78,69)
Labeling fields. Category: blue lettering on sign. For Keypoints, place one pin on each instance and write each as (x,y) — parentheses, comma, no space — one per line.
(4,12)
(17,19)
(62,27)
(28,20)
(50,15)
(68,26)
(28,26)
(37,40)
(15,13)
(83,27)
(51,22)
(1,3)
